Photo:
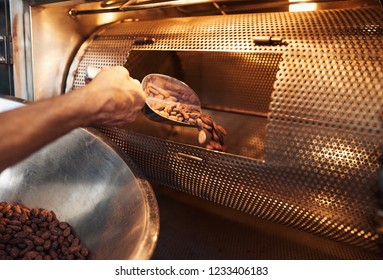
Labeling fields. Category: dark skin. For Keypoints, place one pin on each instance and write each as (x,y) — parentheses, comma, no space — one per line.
(113,98)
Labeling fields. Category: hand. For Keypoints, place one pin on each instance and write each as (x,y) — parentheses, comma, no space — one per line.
(113,98)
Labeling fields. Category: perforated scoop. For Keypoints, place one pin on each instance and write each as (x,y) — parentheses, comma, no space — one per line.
(169,100)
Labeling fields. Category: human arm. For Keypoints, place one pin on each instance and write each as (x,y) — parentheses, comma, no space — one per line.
(111,99)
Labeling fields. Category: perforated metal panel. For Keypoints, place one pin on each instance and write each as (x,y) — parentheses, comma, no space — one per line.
(316,164)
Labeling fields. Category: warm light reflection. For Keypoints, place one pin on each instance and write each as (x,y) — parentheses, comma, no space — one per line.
(303,7)
(106,18)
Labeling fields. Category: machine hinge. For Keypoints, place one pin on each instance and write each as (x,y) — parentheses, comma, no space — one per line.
(6,56)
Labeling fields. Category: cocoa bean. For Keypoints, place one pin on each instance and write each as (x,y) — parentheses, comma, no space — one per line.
(34,227)
(38,240)
(14,252)
(63,225)
(23,218)
(202,137)
(70,238)
(5,238)
(44,225)
(43,214)
(9,214)
(84,252)
(47,244)
(221,129)
(17,209)
(53,224)
(66,232)
(46,234)
(31,255)
(14,228)
(39,248)
(22,234)
(53,254)
(35,212)
(74,249)
(53,237)
(27,228)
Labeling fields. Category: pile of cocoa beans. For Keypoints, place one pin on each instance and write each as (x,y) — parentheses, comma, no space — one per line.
(36,234)
(171,104)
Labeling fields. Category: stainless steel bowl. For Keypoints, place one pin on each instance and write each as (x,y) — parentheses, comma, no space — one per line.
(84,179)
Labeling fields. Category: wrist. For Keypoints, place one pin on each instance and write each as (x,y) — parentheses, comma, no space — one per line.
(80,110)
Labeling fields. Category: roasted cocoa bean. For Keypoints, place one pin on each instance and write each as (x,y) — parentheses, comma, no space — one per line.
(56,231)
(49,217)
(46,234)
(47,244)
(16,208)
(53,253)
(64,250)
(14,223)
(74,249)
(14,228)
(39,248)
(75,242)
(38,240)
(7,208)
(2,228)
(43,214)
(34,227)
(22,234)
(16,240)
(14,252)
(84,251)
(35,212)
(27,228)
(31,255)
(23,218)
(53,237)
(60,240)
(53,224)
(9,214)
(21,246)
(63,225)
(36,221)
(43,225)
(66,232)
(70,238)
(55,244)
(5,238)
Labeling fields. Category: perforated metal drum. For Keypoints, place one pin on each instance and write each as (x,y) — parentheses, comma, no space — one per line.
(302,117)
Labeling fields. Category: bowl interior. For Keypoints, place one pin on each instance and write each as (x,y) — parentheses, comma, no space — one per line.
(87,184)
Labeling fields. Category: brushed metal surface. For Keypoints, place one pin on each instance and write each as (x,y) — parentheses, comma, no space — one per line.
(86,182)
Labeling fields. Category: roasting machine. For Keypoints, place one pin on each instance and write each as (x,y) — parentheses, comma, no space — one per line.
(298,90)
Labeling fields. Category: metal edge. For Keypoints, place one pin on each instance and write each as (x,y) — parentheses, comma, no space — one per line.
(146,250)
(21,30)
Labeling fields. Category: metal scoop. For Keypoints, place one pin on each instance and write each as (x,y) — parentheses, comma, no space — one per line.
(169,100)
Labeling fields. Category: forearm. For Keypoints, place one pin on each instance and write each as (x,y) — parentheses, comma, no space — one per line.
(111,99)
(27,129)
